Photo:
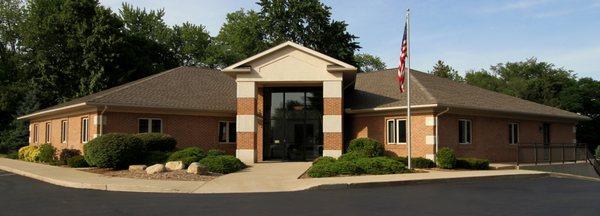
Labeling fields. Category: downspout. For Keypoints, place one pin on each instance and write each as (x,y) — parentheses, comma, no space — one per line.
(101,117)
(437,137)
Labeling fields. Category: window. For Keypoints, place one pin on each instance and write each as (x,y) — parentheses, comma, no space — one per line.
(36,137)
(464,131)
(63,131)
(396,131)
(227,132)
(513,133)
(149,125)
(84,130)
(47,137)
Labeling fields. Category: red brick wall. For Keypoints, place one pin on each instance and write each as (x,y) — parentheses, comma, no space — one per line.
(490,136)
(73,131)
(200,131)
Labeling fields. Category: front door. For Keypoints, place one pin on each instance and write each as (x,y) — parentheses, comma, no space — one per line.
(293,124)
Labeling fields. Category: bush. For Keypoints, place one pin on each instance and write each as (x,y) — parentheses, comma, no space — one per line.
(472,163)
(114,150)
(352,156)
(446,158)
(344,167)
(156,157)
(13,155)
(65,154)
(29,153)
(222,164)
(187,155)
(215,152)
(418,162)
(157,141)
(325,159)
(380,165)
(369,147)
(77,161)
(324,168)
(598,152)
(47,153)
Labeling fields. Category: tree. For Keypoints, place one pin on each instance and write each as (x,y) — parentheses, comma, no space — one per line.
(440,69)
(483,79)
(189,43)
(367,63)
(12,15)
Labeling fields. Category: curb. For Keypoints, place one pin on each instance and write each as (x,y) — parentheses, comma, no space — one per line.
(424,181)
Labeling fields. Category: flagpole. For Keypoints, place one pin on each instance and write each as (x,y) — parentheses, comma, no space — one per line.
(408,118)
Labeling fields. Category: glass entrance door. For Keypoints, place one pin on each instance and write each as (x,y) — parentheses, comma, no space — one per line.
(293,122)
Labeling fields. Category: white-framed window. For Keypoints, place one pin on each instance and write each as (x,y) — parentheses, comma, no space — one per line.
(36,133)
(48,128)
(513,133)
(150,125)
(64,127)
(464,131)
(84,130)
(227,132)
(396,131)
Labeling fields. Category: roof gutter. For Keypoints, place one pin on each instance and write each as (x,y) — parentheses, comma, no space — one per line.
(51,110)
(353,111)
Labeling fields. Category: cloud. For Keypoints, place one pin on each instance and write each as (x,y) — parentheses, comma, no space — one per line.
(515,5)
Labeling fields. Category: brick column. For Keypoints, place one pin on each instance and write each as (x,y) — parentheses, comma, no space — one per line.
(332,119)
(246,122)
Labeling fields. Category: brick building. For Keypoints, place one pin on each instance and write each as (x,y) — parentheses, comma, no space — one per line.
(293,103)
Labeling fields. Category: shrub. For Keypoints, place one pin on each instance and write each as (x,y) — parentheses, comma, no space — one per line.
(324,159)
(77,161)
(215,152)
(13,155)
(446,158)
(222,164)
(65,154)
(324,168)
(187,155)
(352,156)
(156,157)
(344,167)
(370,147)
(472,163)
(157,141)
(418,162)
(47,153)
(380,165)
(114,151)
(598,152)
(29,153)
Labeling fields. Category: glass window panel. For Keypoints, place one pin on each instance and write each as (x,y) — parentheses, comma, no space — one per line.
(231,132)
(314,104)
(461,132)
(143,126)
(468,129)
(516,133)
(391,130)
(156,126)
(276,109)
(222,131)
(401,131)
(294,105)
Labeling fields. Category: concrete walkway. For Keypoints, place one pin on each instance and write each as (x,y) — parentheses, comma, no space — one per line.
(261,177)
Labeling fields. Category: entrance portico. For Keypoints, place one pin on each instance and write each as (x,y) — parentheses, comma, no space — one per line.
(277,91)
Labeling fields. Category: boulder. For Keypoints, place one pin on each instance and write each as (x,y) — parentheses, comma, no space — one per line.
(156,168)
(133,168)
(174,165)
(197,168)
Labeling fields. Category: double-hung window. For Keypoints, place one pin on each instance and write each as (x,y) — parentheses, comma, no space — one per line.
(84,130)
(464,131)
(36,136)
(513,133)
(150,125)
(63,131)
(396,131)
(227,132)
(48,128)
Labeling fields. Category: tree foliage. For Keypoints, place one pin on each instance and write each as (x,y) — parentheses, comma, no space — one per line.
(441,69)
(367,63)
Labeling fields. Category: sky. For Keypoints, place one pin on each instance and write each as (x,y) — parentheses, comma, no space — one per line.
(467,35)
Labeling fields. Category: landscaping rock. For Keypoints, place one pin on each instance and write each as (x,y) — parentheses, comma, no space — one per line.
(197,168)
(156,168)
(174,165)
(137,167)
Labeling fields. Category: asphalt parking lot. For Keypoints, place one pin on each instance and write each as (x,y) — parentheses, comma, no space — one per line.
(505,196)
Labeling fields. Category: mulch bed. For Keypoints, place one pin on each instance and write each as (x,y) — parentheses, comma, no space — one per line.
(178,175)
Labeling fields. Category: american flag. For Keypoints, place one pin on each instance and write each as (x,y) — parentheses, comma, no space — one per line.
(402,66)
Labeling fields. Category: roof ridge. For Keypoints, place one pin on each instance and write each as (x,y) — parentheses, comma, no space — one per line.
(136,82)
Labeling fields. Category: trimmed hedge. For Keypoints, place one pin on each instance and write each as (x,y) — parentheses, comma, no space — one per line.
(188,155)
(156,157)
(418,162)
(114,150)
(29,153)
(324,159)
(352,156)
(157,141)
(343,167)
(77,161)
(323,168)
(65,154)
(369,147)
(472,163)
(446,158)
(328,167)
(215,152)
(47,153)
(222,164)
(380,165)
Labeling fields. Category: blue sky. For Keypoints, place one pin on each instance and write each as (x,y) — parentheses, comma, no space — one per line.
(466,34)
